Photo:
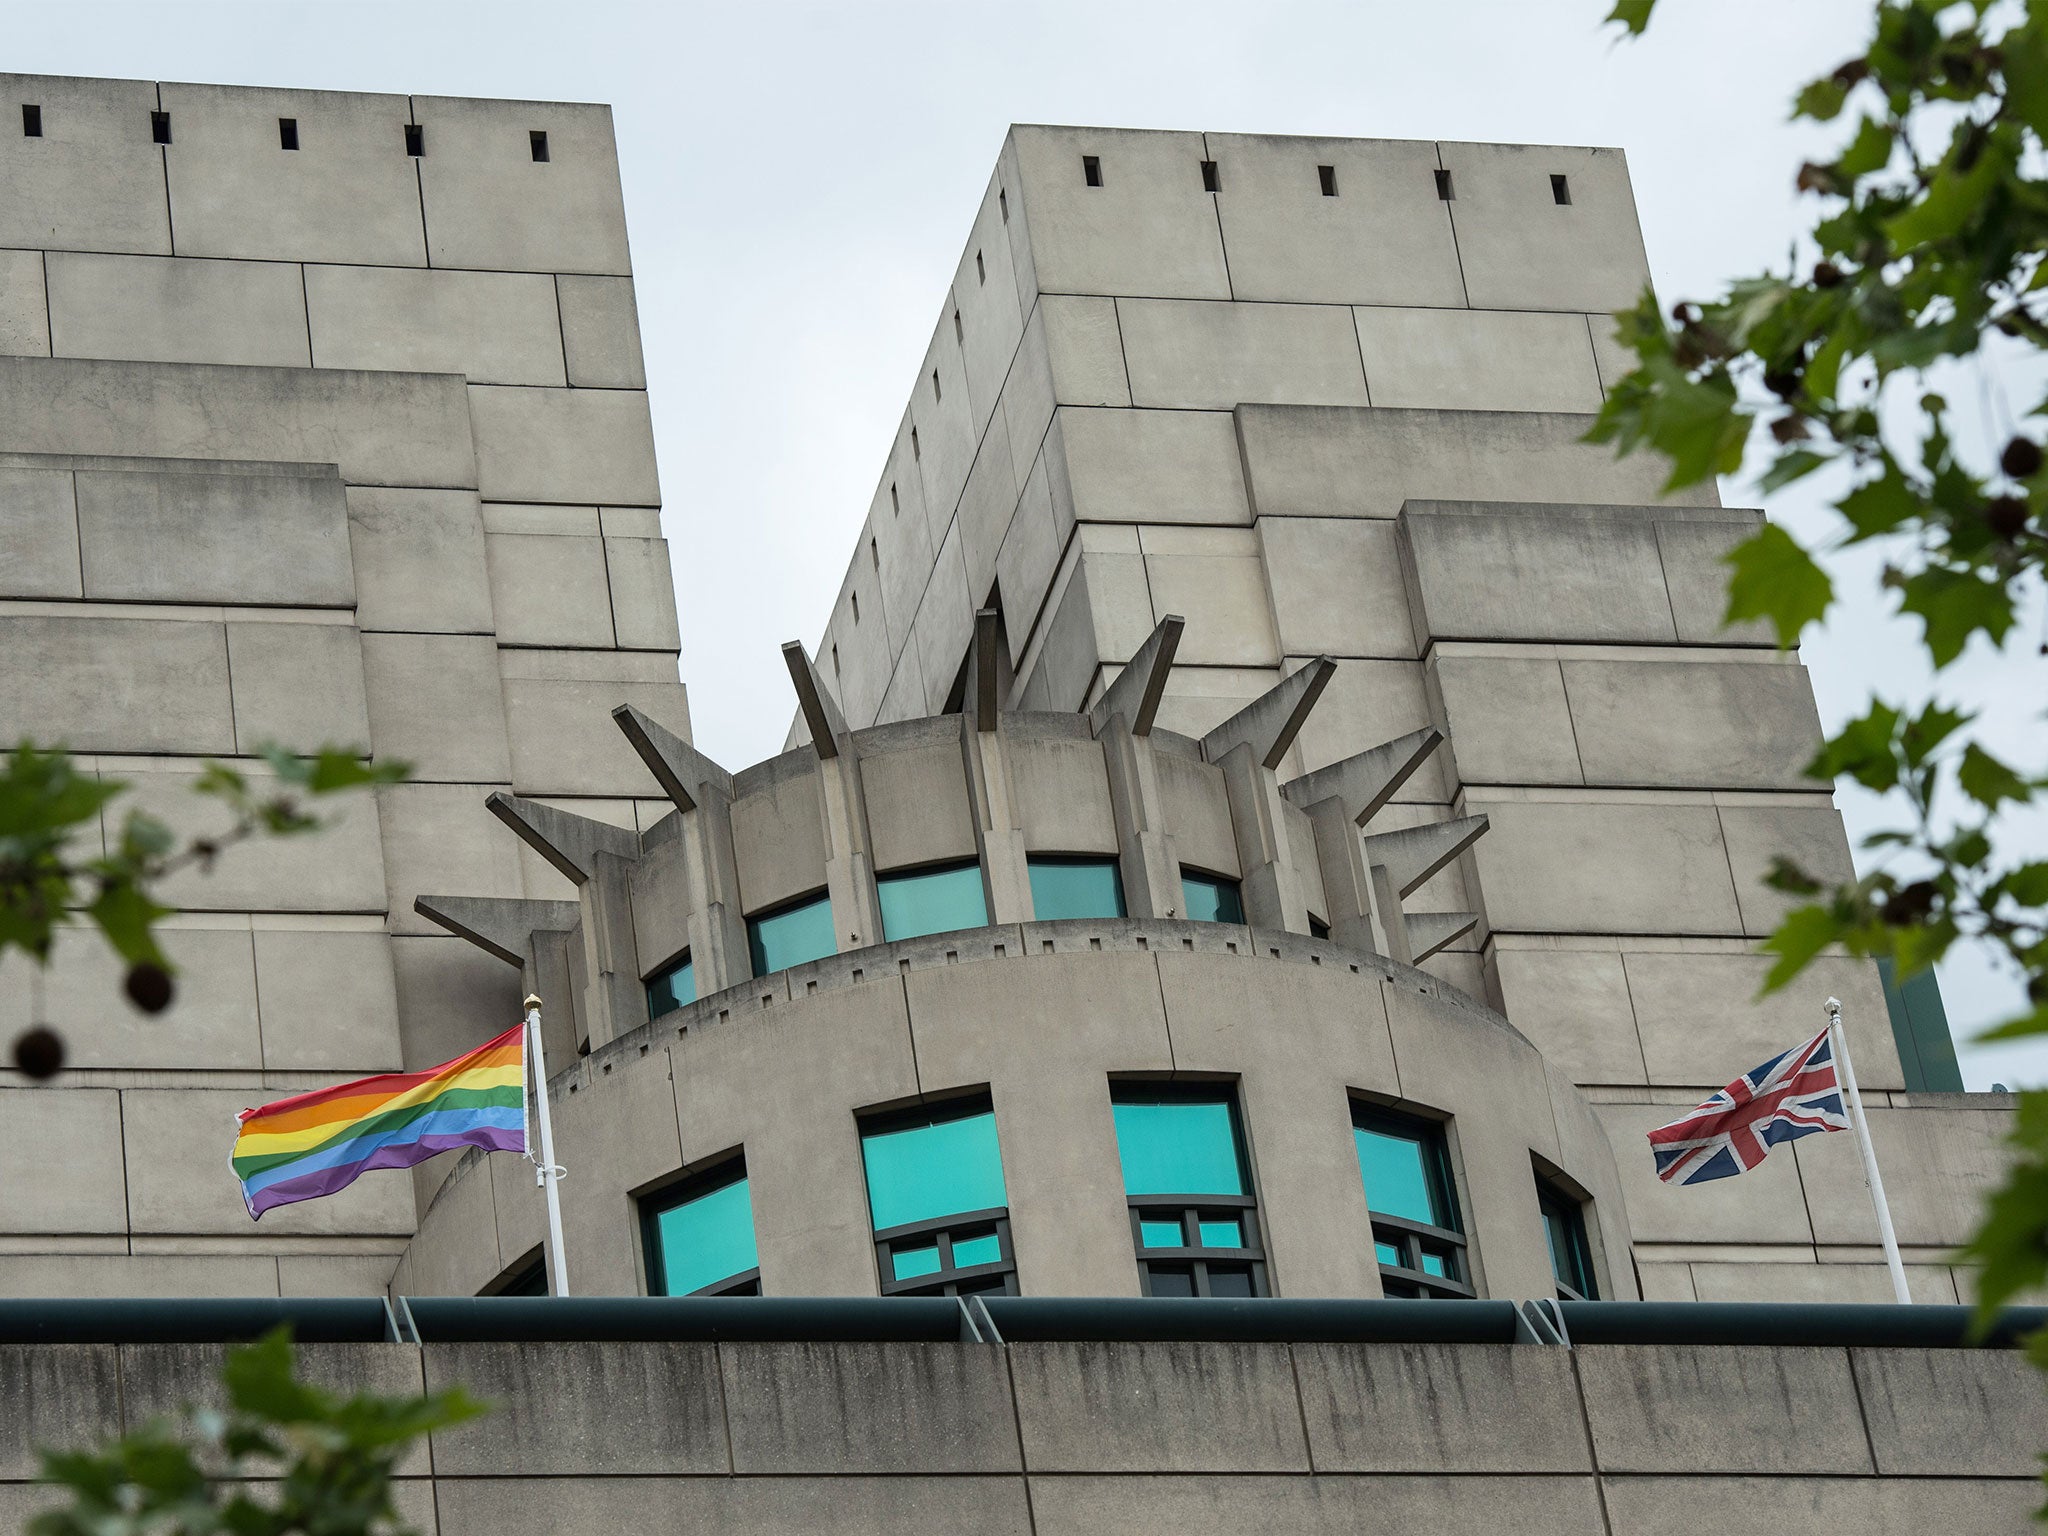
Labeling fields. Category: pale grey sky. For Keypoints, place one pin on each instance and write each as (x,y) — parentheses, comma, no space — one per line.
(799,179)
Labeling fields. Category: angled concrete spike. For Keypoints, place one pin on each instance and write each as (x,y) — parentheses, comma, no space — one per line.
(985,707)
(498,925)
(1272,720)
(1368,780)
(1429,932)
(569,842)
(1411,856)
(1138,688)
(679,768)
(821,710)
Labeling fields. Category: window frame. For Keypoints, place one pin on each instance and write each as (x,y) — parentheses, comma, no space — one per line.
(1410,1238)
(1551,1192)
(915,871)
(1113,862)
(1188,1208)
(1230,884)
(752,920)
(697,1184)
(940,1231)
(663,972)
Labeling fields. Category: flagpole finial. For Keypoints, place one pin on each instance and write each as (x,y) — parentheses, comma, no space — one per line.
(1834,1007)
(534,1002)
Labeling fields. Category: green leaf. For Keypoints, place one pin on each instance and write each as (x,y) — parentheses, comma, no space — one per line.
(1868,151)
(2027,884)
(127,916)
(1633,15)
(1822,100)
(1988,781)
(1804,933)
(1865,749)
(1775,579)
(1954,605)
(1882,505)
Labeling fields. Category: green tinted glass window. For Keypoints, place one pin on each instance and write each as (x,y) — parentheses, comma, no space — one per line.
(1571,1255)
(940,1164)
(1405,1168)
(794,936)
(912,1262)
(985,1249)
(1222,1232)
(932,901)
(1210,898)
(703,1237)
(671,987)
(1062,888)
(1161,1234)
(1176,1143)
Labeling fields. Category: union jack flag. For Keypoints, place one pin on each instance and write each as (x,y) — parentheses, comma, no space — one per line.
(1788,1097)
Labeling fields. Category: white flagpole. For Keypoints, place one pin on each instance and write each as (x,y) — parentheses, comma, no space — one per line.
(1890,1239)
(549,1171)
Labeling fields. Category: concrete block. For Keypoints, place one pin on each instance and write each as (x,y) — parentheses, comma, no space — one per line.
(1575,1005)
(1807,830)
(1030,555)
(1670,1506)
(601,332)
(173,309)
(1148,229)
(38,534)
(24,304)
(564,445)
(419,560)
(944,438)
(58,1397)
(549,590)
(237,538)
(434,702)
(558,707)
(770,1506)
(116,1276)
(93,181)
(984,296)
(440,840)
(944,623)
(1614,360)
(986,503)
(904,544)
(1152,466)
(1385,238)
(643,594)
(328,1000)
(1060,788)
(1214,578)
(1085,348)
(1591,866)
(628,1126)
(584,1409)
(629,522)
(1368,702)
(1666,1282)
(1506,718)
(1197,813)
(347,194)
(489,204)
(1477,360)
(493,327)
(298,686)
(1336,587)
(1937,1163)
(1440,1408)
(210,1024)
(1521,249)
(1214,356)
(1073,1403)
(778,831)
(1951,1412)
(99,685)
(1765,1205)
(1696,576)
(891,1409)
(60,1162)
(1326,461)
(306,1274)
(457,1253)
(916,799)
(1866,1284)
(1324,1505)
(1678,1408)
(379,428)
(1693,725)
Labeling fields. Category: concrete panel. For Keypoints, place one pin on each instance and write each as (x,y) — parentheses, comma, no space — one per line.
(926,1409)
(435,703)
(93,181)
(1366,703)
(172,309)
(1148,229)
(1029,556)
(1937,1162)
(1336,587)
(1440,1408)
(1952,1412)
(303,1274)
(984,296)
(1152,466)
(1693,725)
(944,624)
(24,304)
(896,523)
(347,194)
(1385,238)
(60,1162)
(1061,791)
(452,997)
(38,534)
(1809,832)
(1477,360)
(379,428)
(585,1409)
(1196,813)
(917,803)
(1214,356)
(1214,578)
(778,832)
(1318,1506)
(1697,577)
(328,1000)
(944,434)
(1325,461)
(101,685)
(494,327)
(643,600)
(549,590)
(237,538)
(601,332)
(1586,866)
(762,1506)
(462,1257)
(1762,1506)
(1074,1400)
(419,560)
(118,1276)
(1506,718)
(1765,1205)
(1676,1408)
(1085,348)
(55,1397)
(558,707)
(1575,1005)
(986,503)
(439,839)
(1867,1284)
(210,1024)
(490,204)
(1521,249)
(298,686)
(564,445)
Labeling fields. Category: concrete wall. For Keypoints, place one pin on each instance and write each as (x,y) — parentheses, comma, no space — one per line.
(333,445)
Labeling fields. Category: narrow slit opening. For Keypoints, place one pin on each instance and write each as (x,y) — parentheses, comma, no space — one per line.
(835,661)
(415,140)
(980,271)
(160,127)
(895,502)
(1561,191)
(915,451)
(1327,176)
(937,393)
(959,331)
(855,597)
(1209,181)
(287,133)
(1091,170)
(31,121)
(1003,202)
(537,140)
(1443,185)
(875,553)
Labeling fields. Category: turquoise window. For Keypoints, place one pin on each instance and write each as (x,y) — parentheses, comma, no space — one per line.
(1927,1051)
(1571,1255)
(1405,1168)
(1222,1232)
(932,901)
(910,1263)
(1075,887)
(700,1236)
(969,1251)
(1210,898)
(943,1161)
(1161,1234)
(671,987)
(1179,1141)
(795,935)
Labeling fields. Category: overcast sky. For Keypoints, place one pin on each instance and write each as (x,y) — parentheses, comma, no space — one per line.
(799,179)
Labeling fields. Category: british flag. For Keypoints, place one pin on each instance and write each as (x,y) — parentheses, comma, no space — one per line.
(1788,1097)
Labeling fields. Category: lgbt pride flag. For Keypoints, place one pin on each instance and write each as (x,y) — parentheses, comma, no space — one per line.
(316,1143)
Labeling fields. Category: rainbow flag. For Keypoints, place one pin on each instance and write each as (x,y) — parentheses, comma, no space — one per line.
(316,1143)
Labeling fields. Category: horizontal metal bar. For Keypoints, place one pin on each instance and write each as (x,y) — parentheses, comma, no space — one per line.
(452,1319)
(1262,1318)
(1758,1322)
(194,1320)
